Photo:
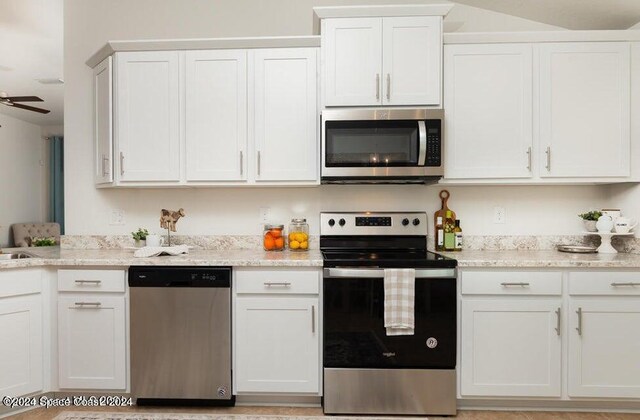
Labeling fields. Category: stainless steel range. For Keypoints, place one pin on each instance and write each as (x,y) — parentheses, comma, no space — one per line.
(366,371)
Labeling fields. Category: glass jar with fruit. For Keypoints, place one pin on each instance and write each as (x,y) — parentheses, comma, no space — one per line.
(273,237)
(298,235)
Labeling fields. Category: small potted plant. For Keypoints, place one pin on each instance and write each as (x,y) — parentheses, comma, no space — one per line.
(589,219)
(37,241)
(140,237)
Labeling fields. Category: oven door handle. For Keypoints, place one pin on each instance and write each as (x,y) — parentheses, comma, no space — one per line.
(422,137)
(429,273)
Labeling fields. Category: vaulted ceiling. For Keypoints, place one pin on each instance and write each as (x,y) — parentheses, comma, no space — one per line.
(570,14)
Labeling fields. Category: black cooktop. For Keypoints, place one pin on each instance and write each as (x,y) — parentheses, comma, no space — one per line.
(387,259)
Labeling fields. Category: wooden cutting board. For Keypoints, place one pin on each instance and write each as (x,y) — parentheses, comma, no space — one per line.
(444,196)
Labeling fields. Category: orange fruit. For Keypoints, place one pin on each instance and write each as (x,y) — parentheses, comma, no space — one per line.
(294,244)
(276,233)
(279,243)
(304,245)
(269,242)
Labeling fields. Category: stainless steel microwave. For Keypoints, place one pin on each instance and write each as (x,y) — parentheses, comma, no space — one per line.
(361,146)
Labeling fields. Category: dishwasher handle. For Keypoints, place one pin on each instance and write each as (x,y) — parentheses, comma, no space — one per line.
(180,277)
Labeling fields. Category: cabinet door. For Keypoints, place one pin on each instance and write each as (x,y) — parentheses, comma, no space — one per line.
(584,109)
(284,114)
(21,352)
(277,344)
(411,60)
(488,103)
(91,342)
(216,115)
(603,354)
(511,348)
(103,123)
(148,115)
(352,61)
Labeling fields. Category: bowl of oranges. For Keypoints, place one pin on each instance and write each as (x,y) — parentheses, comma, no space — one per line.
(273,238)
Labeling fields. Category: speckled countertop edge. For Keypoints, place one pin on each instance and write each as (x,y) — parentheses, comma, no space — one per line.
(55,256)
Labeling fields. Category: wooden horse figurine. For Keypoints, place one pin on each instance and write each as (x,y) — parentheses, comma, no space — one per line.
(168,219)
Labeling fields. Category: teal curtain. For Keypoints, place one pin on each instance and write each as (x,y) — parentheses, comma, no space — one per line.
(56,181)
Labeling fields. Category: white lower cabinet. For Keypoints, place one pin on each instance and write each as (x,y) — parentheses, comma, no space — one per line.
(92,331)
(604,335)
(21,329)
(511,347)
(277,331)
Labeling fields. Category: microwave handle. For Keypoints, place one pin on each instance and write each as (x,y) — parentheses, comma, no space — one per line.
(422,137)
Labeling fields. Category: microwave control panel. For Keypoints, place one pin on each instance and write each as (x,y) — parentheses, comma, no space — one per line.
(434,143)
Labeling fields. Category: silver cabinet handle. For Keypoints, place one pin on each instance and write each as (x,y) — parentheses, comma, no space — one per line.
(579,328)
(548,152)
(632,284)
(558,321)
(521,284)
(121,163)
(529,158)
(258,162)
(105,160)
(241,164)
(313,319)
(388,87)
(94,282)
(85,305)
(377,86)
(282,283)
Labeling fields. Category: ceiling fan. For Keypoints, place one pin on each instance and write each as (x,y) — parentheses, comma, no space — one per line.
(12,101)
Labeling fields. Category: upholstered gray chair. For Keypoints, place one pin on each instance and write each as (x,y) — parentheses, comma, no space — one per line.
(23,232)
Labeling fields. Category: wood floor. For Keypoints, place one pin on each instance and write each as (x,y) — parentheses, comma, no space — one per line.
(48,414)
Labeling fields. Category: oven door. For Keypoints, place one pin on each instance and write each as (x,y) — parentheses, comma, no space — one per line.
(354,332)
(369,144)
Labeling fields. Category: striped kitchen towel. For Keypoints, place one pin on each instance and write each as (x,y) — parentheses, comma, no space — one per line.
(399,300)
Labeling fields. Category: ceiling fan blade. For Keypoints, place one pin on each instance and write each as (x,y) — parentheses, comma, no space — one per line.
(31,108)
(24,99)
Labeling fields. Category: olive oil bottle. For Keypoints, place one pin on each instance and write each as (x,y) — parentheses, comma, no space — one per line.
(439,234)
(449,234)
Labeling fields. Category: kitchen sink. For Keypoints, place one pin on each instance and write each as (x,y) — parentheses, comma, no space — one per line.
(15,256)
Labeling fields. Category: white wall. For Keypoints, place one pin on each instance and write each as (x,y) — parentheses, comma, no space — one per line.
(90,23)
(21,174)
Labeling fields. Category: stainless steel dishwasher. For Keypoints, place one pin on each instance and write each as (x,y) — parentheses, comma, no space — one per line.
(181,335)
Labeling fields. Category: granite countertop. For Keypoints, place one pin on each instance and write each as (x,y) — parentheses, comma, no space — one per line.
(543,259)
(54,256)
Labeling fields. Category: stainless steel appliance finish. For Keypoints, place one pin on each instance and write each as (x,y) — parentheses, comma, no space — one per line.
(365,370)
(181,335)
(346,224)
(366,391)
(426,167)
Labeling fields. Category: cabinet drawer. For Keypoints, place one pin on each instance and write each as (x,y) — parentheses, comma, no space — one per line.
(604,283)
(20,281)
(511,282)
(299,280)
(91,280)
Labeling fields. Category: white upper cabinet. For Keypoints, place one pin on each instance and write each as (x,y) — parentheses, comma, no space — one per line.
(148,115)
(411,63)
(352,51)
(382,61)
(488,101)
(283,108)
(585,109)
(216,115)
(103,121)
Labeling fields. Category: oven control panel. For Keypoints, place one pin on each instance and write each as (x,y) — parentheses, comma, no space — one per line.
(373,223)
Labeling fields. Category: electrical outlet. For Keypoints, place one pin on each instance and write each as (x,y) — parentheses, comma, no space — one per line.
(117,217)
(499,215)
(265,214)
